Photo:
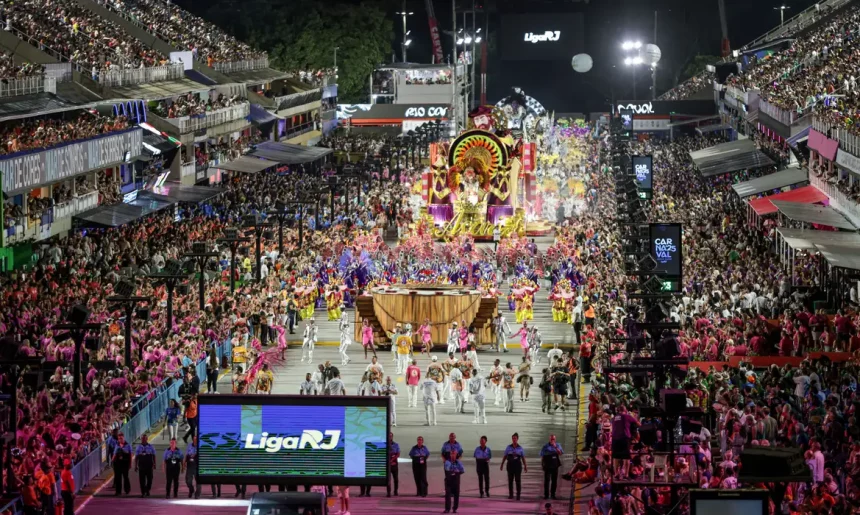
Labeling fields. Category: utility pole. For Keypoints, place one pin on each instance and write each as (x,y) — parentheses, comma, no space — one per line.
(78,328)
(232,238)
(124,296)
(170,276)
(654,65)
(201,254)
(253,224)
(456,94)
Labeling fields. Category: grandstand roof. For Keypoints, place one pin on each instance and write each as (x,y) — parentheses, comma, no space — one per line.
(161,90)
(806,195)
(729,157)
(771,182)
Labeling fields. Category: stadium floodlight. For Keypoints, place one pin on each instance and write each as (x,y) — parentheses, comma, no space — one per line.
(408,42)
(628,61)
(478,39)
(459,41)
(468,39)
(478,31)
(637,45)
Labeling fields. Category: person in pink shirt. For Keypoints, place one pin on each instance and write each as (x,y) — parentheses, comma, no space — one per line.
(463,336)
(523,333)
(367,337)
(413,379)
(424,335)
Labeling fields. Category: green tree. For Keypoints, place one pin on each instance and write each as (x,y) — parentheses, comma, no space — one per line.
(697,65)
(302,35)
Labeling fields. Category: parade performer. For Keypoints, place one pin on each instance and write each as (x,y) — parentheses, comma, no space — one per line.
(495,378)
(447,366)
(437,374)
(390,390)
(457,384)
(424,337)
(334,299)
(453,339)
(309,340)
(523,333)
(502,331)
(345,339)
(463,337)
(476,389)
(392,337)
(282,340)
(535,341)
(403,343)
(367,338)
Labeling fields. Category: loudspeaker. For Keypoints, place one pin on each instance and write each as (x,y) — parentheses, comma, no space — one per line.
(33,380)
(91,343)
(761,464)
(143,314)
(640,380)
(182,289)
(673,401)
(78,315)
(648,434)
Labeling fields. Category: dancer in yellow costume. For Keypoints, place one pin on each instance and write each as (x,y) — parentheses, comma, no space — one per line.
(334,302)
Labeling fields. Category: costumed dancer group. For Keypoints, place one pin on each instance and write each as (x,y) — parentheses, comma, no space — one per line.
(460,377)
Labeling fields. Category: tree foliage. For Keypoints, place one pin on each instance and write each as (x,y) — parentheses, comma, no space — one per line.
(697,64)
(302,35)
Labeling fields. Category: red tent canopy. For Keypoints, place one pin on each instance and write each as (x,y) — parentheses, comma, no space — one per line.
(805,195)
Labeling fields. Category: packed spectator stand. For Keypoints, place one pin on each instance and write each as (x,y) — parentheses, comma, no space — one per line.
(42,133)
(206,41)
(192,105)
(9,69)
(79,36)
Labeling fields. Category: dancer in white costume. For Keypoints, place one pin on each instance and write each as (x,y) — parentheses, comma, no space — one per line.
(476,388)
(390,390)
(502,331)
(309,340)
(345,339)
(428,388)
(453,339)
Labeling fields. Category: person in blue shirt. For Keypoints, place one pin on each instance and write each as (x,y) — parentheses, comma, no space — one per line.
(121,465)
(393,456)
(550,455)
(419,454)
(172,466)
(190,465)
(144,465)
(453,470)
(515,457)
(452,446)
(172,415)
(483,454)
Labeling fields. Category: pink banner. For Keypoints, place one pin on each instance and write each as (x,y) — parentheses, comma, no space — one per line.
(437,43)
(823,145)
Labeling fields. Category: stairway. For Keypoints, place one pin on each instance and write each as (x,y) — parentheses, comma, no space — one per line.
(364,311)
(483,321)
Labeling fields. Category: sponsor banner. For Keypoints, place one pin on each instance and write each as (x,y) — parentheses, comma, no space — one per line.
(26,170)
(438,56)
(255,439)
(651,125)
(849,161)
(392,111)
(668,107)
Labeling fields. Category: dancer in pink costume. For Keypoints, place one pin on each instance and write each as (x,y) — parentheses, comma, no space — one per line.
(367,338)
(282,340)
(523,333)
(464,337)
(424,335)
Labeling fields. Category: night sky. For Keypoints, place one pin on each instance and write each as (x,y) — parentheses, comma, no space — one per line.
(685,28)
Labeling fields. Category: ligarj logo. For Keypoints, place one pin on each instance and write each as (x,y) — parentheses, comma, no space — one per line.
(549,35)
(310,439)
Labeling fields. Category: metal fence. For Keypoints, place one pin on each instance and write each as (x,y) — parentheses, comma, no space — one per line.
(242,66)
(27,86)
(173,71)
(188,124)
(146,413)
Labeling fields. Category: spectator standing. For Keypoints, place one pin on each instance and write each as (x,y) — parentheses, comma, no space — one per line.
(67,488)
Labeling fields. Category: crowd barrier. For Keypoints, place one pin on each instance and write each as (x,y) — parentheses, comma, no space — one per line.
(766,361)
(145,414)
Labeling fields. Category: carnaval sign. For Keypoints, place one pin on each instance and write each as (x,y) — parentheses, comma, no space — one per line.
(646,108)
(317,439)
(666,249)
(550,35)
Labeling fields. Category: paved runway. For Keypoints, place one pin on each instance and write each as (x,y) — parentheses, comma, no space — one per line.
(533,426)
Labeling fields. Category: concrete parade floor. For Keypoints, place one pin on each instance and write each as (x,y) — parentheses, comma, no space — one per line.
(527,419)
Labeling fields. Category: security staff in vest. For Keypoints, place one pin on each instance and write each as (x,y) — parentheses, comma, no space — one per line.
(550,455)
(515,457)
(121,464)
(172,467)
(190,466)
(483,454)
(419,454)
(393,456)
(144,465)
(453,470)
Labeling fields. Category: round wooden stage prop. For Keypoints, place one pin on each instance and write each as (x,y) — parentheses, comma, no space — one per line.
(412,305)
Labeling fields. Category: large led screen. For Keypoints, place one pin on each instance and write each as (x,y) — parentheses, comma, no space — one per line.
(666,248)
(541,37)
(283,439)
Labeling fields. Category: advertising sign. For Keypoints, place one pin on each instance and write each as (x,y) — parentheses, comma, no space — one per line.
(283,439)
(541,36)
(665,242)
(626,119)
(26,170)
(642,169)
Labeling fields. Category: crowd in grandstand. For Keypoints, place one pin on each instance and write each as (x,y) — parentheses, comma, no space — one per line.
(79,35)
(33,133)
(10,69)
(689,87)
(193,104)
(369,143)
(179,27)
